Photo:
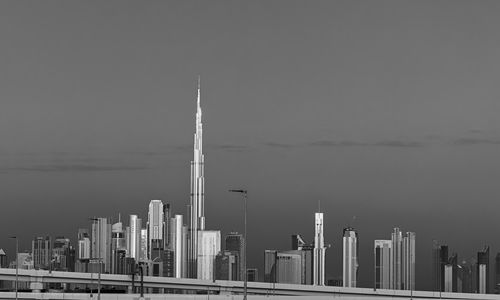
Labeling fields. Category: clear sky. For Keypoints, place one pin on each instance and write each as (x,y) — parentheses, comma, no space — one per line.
(382,110)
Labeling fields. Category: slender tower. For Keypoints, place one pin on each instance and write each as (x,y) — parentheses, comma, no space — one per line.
(197,200)
(319,251)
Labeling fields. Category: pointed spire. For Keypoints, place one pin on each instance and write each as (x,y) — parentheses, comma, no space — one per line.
(198,100)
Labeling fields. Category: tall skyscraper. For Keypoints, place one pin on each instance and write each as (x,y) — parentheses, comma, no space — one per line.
(350,259)
(155,227)
(408,261)
(306,252)
(118,247)
(319,251)
(197,199)
(84,245)
(177,245)
(41,252)
(396,259)
(235,244)
(208,248)
(451,274)
(383,264)
(101,242)
(440,259)
(483,271)
(63,255)
(134,237)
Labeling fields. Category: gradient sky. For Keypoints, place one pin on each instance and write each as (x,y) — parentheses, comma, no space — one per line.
(385,111)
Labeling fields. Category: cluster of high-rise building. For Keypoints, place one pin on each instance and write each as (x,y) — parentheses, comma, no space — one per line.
(473,276)
(395,261)
(173,245)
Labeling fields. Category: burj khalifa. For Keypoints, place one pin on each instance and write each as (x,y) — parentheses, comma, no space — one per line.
(196,208)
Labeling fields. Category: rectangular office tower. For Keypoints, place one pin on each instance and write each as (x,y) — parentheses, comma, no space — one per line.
(319,251)
(402,260)
(178,245)
(483,270)
(226,266)
(283,266)
(452,282)
(235,243)
(439,261)
(382,264)
(41,252)
(396,258)
(208,248)
(408,262)
(155,227)
(118,247)
(350,257)
(101,243)
(134,237)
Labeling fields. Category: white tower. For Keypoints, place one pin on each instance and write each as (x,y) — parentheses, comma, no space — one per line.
(319,251)
(350,261)
(177,245)
(155,227)
(197,199)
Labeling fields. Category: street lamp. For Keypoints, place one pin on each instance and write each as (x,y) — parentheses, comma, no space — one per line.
(17,260)
(245,196)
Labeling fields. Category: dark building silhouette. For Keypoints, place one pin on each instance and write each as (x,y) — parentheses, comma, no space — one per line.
(226,266)
(252,275)
(235,243)
(3,259)
(440,260)
(497,274)
(467,277)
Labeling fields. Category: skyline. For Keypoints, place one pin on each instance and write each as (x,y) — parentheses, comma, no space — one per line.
(386,112)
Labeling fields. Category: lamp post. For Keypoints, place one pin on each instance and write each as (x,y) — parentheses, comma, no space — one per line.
(17,261)
(245,283)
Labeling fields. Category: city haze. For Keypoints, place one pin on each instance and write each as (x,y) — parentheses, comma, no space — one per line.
(384,111)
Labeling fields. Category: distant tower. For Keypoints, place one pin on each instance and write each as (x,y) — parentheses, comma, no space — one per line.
(319,251)
(235,244)
(118,247)
(155,228)
(177,245)
(101,242)
(396,258)
(134,237)
(382,263)
(208,248)
(350,261)
(440,259)
(41,252)
(483,270)
(197,200)
(408,261)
